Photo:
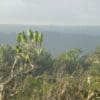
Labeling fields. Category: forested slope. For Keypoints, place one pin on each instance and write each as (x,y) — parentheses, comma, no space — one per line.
(28,72)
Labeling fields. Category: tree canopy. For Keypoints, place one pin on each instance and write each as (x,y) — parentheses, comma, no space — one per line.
(28,72)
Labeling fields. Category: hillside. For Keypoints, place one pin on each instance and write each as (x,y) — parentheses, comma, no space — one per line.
(28,72)
(57,39)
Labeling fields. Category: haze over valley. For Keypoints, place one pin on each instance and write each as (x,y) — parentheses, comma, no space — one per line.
(57,39)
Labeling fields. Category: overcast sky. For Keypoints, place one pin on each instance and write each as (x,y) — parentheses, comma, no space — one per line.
(50,12)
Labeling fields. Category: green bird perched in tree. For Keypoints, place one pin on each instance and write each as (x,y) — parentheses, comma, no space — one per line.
(40,38)
(18,38)
(18,49)
(22,46)
(35,36)
(23,37)
(30,34)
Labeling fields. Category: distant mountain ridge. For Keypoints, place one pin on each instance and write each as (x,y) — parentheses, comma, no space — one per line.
(57,38)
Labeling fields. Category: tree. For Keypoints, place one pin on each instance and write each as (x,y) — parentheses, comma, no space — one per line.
(67,62)
(22,65)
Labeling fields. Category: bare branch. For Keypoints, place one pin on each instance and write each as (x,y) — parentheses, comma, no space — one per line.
(20,74)
(13,66)
(91,96)
(1,77)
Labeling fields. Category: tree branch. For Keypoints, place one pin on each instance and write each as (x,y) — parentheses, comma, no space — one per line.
(20,74)
(13,66)
(91,96)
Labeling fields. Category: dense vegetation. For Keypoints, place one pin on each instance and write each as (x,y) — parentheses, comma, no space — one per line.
(27,72)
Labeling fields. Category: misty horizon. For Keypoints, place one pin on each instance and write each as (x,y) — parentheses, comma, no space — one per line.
(50,12)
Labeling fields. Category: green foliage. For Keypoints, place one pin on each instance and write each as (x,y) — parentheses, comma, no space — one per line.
(68,61)
(70,76)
